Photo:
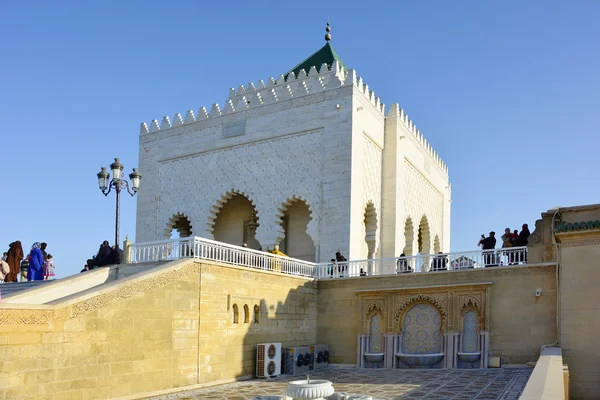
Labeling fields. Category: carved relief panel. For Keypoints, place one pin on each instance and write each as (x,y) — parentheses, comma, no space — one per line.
(452,302)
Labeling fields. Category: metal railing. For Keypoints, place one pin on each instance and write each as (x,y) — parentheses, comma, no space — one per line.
(197,247)
(423,263)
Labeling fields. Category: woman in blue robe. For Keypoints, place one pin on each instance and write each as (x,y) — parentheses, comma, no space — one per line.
(35,272)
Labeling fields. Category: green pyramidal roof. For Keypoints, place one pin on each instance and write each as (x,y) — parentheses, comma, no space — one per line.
(325,55)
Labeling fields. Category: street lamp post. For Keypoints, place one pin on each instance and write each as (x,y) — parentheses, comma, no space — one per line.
(117,182)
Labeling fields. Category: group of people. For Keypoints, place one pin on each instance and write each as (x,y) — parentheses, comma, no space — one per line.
(509,239)
(36,266)
(106,255)
(339,266)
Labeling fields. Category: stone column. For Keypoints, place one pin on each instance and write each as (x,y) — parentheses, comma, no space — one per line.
(126,256)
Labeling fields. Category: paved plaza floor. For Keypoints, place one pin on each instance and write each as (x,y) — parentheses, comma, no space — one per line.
(384,384)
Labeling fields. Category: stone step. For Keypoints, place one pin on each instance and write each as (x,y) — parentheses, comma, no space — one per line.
(7,289)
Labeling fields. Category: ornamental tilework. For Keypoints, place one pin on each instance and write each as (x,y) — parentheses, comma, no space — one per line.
(268,172)
(422,330)
(470,334)
(375,336)
(421,198)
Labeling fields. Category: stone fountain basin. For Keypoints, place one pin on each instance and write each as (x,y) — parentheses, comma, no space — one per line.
(469,357)
(374,357)
(420,360)
(313,389)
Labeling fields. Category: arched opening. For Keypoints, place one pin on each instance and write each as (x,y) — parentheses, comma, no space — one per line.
(297,243)
(409,237)
(179,226)
(423,240)
(236,222)
(236,314)
(256,313)
(246,314)
(436,244)
(370,221)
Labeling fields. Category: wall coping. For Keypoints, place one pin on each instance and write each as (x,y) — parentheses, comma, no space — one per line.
(546,381)
(426,287)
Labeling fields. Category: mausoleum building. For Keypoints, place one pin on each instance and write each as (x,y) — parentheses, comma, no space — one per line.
(311,161)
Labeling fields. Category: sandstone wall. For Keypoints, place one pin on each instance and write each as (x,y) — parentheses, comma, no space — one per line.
(520,323)
(287,314)
(168,328)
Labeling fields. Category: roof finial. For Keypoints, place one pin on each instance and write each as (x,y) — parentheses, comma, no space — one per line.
(328,29)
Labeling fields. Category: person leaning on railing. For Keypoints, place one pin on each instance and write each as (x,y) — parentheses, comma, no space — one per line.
(342,263)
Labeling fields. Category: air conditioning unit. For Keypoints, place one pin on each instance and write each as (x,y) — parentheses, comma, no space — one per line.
(268,360)
(297,360)
(320,356)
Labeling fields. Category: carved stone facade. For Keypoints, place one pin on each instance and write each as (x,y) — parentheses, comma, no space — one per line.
(451,301)
(320,137)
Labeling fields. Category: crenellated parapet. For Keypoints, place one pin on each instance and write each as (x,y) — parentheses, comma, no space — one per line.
(397,112)
(272,91)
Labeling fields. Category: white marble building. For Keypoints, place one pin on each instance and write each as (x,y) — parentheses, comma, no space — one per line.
(309,161)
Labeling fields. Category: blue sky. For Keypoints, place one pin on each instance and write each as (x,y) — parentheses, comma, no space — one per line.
(506,92)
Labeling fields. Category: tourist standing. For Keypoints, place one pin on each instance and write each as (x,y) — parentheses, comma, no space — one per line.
(488,243)
(523,240)
(43,248)
(14,257)
(24,268)
(4,256)
(36,263)
(49,268)
(342,263)
(4,270)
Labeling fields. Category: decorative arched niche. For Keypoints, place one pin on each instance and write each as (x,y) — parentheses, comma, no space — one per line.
(469,354)
(179,223)
(422,338)
(236,314)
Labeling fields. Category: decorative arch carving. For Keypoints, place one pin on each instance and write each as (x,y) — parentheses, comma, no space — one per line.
(216,208)
(311,228)
(178,221)
(470,301)
(371,308)
(420,298)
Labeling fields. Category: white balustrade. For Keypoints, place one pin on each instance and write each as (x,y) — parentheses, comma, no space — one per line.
(196,247)
(201,248)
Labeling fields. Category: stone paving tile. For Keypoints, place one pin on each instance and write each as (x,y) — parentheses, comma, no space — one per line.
(384,384)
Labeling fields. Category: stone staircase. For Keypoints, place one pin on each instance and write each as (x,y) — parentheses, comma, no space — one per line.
(51,292)
(8,289)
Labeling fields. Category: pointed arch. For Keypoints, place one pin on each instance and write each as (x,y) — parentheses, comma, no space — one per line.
(179,222)
(236,314)
(246,314)
(285,206)
(234,219)
(295,217)
(409,237)
(220,203)
(436,244)
(256,313)
(371,224)
(423,236)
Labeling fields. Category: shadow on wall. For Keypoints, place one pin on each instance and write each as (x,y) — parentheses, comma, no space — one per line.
(286,313)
